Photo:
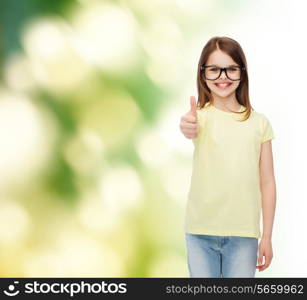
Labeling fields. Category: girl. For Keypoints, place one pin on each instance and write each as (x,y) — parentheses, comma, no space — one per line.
(233,175)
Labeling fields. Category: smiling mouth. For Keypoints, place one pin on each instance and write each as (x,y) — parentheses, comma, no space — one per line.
(223,86)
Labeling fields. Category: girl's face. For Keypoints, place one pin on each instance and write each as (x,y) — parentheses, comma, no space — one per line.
(223,60)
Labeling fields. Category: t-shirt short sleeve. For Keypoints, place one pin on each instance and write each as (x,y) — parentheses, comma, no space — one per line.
(267,130)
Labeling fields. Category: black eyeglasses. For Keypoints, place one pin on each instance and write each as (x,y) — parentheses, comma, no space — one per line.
(212,72)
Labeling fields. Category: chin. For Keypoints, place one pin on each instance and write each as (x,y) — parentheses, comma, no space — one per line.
(223,93)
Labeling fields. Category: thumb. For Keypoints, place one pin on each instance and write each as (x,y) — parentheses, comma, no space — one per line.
(193,106)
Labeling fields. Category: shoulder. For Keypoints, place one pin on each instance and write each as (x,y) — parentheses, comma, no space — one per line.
(261,117)
(202,115)
(202,110)
(265,127)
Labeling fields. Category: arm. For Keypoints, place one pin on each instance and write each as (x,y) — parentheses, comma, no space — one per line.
(268,188)
(268,192)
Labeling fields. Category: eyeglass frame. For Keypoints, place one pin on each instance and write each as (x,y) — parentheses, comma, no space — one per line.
(203,67)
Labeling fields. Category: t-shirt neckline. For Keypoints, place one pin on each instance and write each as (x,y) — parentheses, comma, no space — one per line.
(226,112)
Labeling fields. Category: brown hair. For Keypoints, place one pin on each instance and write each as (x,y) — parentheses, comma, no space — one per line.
(234,50)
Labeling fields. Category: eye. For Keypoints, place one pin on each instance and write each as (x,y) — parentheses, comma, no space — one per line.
(213,69)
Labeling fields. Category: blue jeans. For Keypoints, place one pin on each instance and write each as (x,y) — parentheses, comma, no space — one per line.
(221,256)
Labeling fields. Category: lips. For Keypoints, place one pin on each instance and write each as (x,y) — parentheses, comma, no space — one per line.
(223,85)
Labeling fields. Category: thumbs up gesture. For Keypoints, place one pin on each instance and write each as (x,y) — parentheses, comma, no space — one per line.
(188,122)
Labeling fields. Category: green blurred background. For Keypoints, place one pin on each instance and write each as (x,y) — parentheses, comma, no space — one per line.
(94,172)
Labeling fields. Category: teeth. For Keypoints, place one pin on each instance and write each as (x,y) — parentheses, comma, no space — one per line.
(223,84)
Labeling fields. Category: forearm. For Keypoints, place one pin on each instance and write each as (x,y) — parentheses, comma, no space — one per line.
(268,191)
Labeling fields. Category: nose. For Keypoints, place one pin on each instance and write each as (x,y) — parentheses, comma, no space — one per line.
(223,74)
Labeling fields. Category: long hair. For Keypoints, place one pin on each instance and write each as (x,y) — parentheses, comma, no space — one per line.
(234,50)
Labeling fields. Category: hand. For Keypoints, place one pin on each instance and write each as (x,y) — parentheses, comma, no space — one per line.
(265,250)
(188,123)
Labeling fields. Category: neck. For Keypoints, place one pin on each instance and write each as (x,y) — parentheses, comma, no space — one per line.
(229,102)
